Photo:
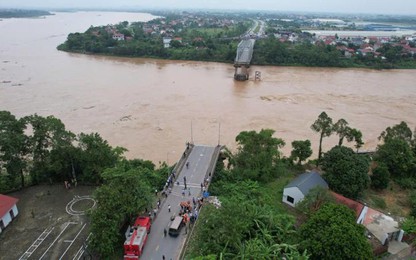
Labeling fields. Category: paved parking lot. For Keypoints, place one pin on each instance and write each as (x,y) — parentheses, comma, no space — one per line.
(51,224)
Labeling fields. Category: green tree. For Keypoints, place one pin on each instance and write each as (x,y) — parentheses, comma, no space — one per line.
(342,129)
(48,136)
(123,196)
(381,177)
(258,154)
(13,146)
(323,125)
(357,136)
(345,171)
(301,150)
(398,156)
(331,233)
(314,200)
(399,131)
(96,155)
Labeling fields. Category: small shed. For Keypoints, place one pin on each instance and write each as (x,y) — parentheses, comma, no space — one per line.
(298,188)
(8,210)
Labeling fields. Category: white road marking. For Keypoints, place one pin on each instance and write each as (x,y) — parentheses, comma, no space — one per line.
(37,243)
(72,241)
(157,248)
(63,230)
(76,199)
(81,251)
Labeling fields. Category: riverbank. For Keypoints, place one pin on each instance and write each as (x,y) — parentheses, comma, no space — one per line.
(147,105)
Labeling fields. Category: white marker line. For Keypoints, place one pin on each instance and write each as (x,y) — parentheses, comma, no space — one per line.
(72,241)
(157,248)
(35,245)
(67,224)
(81,251)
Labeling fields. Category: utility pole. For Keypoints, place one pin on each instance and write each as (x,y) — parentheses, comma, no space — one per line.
(192,135)
(219,133)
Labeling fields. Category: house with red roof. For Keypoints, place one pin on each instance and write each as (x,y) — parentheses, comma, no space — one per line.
(378,225)
(8,210)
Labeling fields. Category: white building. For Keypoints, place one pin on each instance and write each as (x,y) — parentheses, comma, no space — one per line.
(8,210)
(166,42)
(118,37)
(298,188)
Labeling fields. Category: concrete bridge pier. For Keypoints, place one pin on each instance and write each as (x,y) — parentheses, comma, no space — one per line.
(241,73)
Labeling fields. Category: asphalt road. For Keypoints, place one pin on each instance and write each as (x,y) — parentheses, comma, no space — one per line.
(157,244)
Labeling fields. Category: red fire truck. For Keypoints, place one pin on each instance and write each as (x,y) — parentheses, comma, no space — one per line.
(136,238)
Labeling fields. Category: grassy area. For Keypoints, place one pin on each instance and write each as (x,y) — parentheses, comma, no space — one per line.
(210,31)
(393,199)
(270,195)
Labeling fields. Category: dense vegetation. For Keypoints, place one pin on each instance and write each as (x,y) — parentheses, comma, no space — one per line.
(206,44)
(18,13)
(332,233)
(126,192)
(251,223)
(219,43)
(36,149)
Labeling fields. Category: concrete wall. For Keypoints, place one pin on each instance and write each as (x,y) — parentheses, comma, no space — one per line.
(362,215)
(7,218)
(293,192)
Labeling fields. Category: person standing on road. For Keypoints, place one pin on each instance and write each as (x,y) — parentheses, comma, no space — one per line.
(165,232)
(169,207)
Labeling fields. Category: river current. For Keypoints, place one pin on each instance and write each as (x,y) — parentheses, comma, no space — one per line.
(153,107)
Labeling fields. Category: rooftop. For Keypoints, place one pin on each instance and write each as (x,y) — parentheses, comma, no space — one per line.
(352,204)
(6,203)
(307,181)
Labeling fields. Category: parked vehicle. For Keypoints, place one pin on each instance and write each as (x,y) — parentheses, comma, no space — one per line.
(176,226)
(137,237)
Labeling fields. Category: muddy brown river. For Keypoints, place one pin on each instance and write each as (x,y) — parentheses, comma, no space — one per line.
(153,107)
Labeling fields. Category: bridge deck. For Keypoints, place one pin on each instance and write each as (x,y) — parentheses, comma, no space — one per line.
(244,52)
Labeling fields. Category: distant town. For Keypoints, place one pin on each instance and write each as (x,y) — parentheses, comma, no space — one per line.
(281,39)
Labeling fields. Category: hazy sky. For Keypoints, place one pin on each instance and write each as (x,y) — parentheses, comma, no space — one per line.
(340,6)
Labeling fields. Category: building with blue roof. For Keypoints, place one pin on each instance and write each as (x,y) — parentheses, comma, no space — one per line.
(298,188)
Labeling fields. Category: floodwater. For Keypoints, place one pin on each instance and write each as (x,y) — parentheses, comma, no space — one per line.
(153,107)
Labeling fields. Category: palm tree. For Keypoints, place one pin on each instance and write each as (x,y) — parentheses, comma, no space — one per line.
(342,129)
(323,125)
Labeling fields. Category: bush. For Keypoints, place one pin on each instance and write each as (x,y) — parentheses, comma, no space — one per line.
(380,178)
(406,183)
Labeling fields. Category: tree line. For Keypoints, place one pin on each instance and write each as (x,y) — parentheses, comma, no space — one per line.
(38,150)
(198,44)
